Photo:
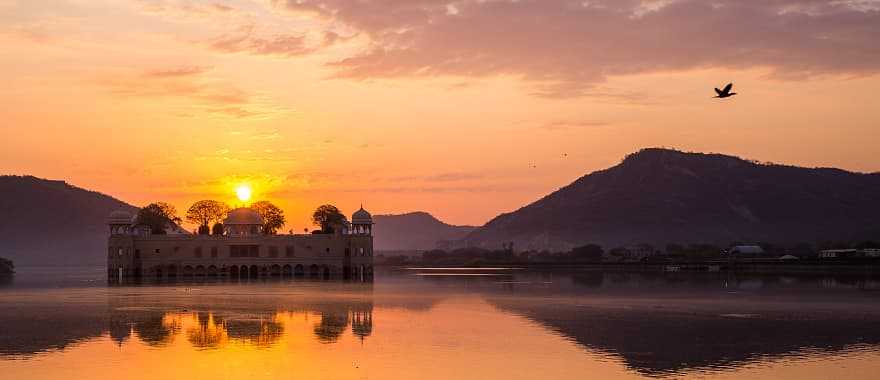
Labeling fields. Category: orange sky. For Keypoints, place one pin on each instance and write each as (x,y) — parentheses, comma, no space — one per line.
(421,105)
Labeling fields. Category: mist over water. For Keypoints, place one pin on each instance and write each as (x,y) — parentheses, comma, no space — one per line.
(431,323)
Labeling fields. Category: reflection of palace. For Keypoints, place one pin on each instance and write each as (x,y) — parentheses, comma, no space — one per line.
(242,251)
(216,329)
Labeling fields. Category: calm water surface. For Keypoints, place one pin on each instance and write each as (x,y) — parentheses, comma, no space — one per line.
(426,323)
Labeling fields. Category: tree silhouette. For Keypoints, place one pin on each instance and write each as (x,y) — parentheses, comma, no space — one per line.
(6,266)
(328,217)
(217,229)
(206,211)
(273,217)
(158,216)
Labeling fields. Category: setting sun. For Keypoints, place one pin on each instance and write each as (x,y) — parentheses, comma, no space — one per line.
(243,192)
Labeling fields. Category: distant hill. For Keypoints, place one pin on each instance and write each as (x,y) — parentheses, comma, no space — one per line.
(659,196)
(413,231)
(47,222)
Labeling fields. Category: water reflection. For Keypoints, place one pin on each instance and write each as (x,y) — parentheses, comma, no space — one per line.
(657,342)
(622,325)
(663,324)
(216,330)
(220,328)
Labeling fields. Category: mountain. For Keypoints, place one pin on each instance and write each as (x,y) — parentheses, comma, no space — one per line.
(660,196)
(47,222)
(413,231)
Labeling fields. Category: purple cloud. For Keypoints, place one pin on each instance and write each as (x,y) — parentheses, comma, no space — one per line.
(567,47)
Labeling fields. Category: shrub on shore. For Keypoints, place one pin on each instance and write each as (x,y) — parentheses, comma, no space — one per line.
(6,266)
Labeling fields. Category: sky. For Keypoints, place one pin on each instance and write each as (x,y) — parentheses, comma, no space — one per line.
(464,109)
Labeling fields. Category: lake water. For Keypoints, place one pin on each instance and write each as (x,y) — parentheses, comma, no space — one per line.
(424,323)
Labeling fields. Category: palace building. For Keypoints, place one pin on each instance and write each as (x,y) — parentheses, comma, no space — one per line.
(242,251)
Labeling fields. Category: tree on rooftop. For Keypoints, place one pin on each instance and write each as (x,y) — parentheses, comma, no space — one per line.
(328,217)
(203,213)
(273,217)
(158,216)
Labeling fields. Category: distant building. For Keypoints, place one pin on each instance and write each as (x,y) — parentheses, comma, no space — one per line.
(837,253)
(639,251)
(849,253)
(870,252)
(243,251)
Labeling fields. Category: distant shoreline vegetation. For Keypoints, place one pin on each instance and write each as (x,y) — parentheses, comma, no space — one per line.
(825,254)
(6,267)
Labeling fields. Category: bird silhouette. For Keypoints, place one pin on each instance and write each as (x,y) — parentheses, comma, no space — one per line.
(725,93)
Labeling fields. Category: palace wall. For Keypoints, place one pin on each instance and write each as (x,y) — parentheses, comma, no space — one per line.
(313,255)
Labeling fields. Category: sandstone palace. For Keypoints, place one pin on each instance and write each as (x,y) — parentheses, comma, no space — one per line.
(242,250)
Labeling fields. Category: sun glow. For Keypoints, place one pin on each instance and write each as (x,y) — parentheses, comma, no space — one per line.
(243,192)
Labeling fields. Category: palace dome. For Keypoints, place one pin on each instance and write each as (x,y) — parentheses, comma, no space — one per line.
(119,217)
(361,216)
(243,216)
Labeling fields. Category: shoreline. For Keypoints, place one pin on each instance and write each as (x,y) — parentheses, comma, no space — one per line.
(774,267)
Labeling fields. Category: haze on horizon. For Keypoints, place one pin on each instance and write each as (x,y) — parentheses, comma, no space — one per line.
(403,105)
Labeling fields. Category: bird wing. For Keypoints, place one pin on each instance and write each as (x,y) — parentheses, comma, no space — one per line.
(728,87)
(717,91)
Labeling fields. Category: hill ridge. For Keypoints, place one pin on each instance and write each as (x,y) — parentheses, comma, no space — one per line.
(53,222)
(659,194)
(413,231)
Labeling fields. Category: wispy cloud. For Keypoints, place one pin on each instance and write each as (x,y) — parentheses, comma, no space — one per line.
(573,124)
(286,45)
(176,72)
(185,7)
(204,93)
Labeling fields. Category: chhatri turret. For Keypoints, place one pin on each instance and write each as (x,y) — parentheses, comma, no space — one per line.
(361,222)
(120,222)
(243,221)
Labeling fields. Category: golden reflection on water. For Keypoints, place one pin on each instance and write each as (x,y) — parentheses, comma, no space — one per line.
(292,331)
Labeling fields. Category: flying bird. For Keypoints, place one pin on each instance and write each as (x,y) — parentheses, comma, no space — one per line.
(725,93)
